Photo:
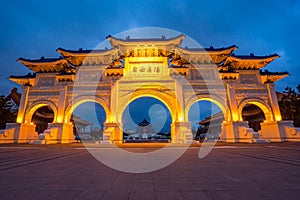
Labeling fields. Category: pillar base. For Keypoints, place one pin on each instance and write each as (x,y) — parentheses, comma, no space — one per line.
(65,134)
(230,131)
(181,133)
(56,133)
(112,133)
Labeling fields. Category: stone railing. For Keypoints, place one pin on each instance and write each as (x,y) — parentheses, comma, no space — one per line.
(247,134)
(49,136)
(7,135)
(292,133)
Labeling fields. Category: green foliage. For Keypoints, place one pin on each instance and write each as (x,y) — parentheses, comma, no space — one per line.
(6,115)
(290,105)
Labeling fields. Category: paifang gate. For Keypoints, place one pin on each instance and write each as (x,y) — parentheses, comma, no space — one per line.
(158,68)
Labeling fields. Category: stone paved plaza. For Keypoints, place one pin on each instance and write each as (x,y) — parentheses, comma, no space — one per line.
(236,171)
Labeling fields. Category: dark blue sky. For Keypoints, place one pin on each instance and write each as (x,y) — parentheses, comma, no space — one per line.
(151,109)
(32,29)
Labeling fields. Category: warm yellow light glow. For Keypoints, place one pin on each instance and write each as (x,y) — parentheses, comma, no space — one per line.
(109,119)
(180,118)
(19,119)
(278,117)
(31,123)
(235,117)
(59,119)
(147,64)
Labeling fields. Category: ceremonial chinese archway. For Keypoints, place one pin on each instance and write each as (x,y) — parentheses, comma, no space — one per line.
(150,67)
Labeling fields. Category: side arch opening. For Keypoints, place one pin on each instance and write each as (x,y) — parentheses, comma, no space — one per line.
(254,115)
(41,117)
(206,118)
(87,117)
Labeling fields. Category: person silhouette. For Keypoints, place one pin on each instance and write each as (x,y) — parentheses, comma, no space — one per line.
(75,132)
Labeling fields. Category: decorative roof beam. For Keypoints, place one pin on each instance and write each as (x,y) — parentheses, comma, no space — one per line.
(205,55)
(80,52)
(115,42)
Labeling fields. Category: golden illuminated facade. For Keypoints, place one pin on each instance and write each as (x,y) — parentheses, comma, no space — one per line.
(158,68)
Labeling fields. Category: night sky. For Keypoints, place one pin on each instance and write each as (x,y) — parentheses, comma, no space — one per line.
(31,29)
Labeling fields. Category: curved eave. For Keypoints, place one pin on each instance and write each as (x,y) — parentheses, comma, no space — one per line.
(273,77)
(249,62)
(42,65)
(92,53)
(220,51)
(155,41)
(266,59)
(41,61)
(22,81)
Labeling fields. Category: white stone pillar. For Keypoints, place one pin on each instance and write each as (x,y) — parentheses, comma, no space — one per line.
(113,116)
(179,102)
(181,133)
(274,102)
(112,133)
(23,104)
(61,105)
(230,131)
(233,103)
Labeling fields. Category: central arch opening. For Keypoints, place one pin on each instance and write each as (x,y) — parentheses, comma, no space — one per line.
(146,119)
(206,120)
(88,121)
